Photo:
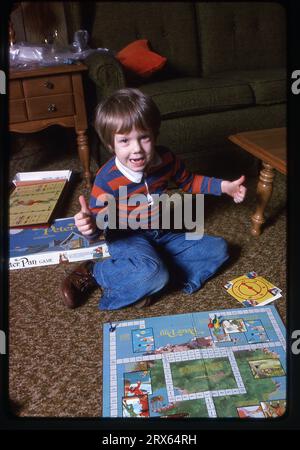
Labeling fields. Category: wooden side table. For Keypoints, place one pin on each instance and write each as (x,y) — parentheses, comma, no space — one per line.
(270,147)
(44,96)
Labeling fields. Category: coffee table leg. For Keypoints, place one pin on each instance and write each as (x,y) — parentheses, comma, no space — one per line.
(263,191)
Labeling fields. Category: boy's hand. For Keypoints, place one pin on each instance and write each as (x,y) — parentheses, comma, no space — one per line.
(234,189)
(84,219)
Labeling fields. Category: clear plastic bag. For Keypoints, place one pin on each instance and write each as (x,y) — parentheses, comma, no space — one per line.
(24,52)
(27,55)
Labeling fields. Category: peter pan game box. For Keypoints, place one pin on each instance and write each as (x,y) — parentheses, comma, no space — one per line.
(58,244)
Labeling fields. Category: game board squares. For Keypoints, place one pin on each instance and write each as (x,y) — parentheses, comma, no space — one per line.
(192,354)
(199,354)
(125,360)
(222,392)
(214,393)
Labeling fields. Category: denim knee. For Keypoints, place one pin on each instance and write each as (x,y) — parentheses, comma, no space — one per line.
(157,276)
(221,248)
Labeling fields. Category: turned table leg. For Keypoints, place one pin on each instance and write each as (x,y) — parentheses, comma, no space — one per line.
(264,191)
(84,155)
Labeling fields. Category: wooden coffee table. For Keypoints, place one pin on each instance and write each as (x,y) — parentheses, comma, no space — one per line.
(270,147)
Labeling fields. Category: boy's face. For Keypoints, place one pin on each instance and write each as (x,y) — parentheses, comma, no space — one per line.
(134,150)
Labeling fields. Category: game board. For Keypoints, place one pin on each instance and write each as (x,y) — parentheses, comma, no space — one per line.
(226,363)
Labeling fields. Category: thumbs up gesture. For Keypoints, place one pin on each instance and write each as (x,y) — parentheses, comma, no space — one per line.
(235,189)
(84,219)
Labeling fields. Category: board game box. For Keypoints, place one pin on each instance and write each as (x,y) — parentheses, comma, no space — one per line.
(35,197)
(60,243)
(226,363)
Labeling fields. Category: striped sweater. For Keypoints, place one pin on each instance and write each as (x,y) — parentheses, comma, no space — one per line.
(134,199)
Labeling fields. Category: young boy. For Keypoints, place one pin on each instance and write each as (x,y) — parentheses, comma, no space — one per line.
(147,258)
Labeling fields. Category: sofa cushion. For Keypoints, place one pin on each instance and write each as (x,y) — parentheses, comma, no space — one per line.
(241,35)
(188,96)
(268,86)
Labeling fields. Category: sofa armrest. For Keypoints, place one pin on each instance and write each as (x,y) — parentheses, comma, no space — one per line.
(106,72)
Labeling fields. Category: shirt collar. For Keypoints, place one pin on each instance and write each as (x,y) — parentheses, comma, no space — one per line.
(136,177)
(132,175)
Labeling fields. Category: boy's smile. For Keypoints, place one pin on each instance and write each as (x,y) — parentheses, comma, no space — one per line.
(134,150)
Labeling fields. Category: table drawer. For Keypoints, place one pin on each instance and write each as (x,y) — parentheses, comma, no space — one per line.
(17,111)
(15,89)
(59,84)
(51,106)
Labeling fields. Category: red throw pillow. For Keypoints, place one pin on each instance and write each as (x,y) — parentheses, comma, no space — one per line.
(138,58)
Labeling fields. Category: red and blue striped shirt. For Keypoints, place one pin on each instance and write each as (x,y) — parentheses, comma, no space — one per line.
(129,201)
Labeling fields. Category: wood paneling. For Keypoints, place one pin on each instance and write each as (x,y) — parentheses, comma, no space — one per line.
(34,21)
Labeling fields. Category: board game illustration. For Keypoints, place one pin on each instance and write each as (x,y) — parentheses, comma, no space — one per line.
(252,290)
(34,204)
(226,363)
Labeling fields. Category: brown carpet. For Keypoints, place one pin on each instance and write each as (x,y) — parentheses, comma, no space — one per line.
(55,354)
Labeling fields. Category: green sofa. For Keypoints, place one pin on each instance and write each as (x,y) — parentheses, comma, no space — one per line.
(225,71)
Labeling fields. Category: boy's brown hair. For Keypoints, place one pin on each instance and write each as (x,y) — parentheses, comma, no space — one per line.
(124,110)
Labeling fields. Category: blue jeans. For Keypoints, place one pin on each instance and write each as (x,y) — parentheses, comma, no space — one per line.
(143,262)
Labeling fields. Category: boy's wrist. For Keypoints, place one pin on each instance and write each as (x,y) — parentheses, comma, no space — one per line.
(94,235)
(224,186)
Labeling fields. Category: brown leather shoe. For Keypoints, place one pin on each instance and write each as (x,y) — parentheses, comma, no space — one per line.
(77,284)
(144,302)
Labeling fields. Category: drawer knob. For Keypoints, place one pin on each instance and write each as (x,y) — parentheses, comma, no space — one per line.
(52,107)
(48,85)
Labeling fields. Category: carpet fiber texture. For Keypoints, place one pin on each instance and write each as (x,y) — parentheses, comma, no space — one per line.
(55,354)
